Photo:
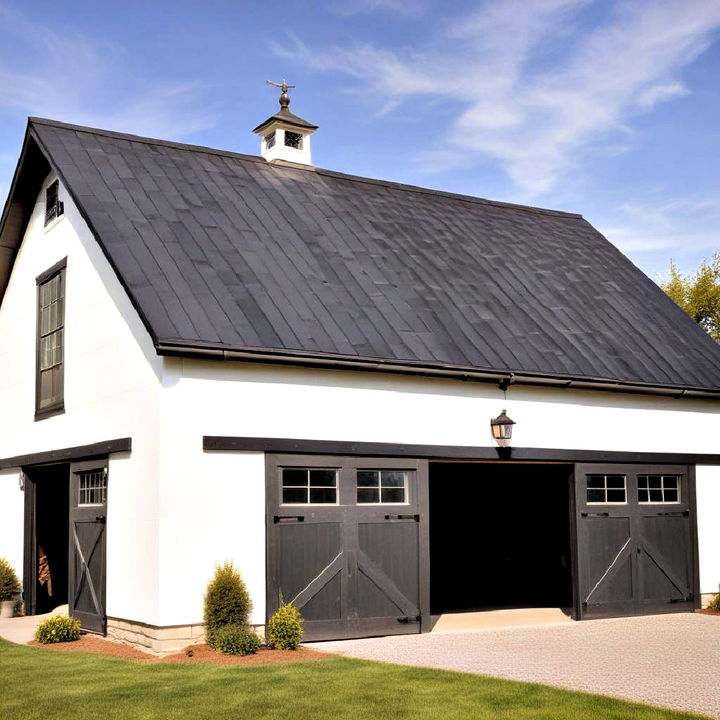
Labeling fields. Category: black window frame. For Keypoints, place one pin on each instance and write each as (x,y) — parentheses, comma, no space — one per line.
(53,207)
(56,405)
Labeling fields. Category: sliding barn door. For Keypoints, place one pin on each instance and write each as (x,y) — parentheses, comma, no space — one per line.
(88,514)
(636,540)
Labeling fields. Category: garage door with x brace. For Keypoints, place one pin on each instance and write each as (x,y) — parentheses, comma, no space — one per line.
(637,549)
(344,543)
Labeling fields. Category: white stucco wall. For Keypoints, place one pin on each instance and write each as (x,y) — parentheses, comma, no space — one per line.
(212,398)
(112,385)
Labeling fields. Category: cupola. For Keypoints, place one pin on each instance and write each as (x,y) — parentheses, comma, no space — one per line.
(284,135)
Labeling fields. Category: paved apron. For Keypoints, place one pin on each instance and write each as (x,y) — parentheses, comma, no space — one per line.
(666,660)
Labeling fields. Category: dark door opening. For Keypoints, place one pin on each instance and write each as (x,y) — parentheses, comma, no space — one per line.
(499,536)
(49,547)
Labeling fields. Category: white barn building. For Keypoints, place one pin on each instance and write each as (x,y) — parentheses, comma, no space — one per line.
(207,356)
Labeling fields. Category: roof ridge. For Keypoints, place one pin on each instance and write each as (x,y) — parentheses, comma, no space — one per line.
(304,168)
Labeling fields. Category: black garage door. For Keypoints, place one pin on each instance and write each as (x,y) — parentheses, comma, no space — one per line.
(636,539)
(347,544)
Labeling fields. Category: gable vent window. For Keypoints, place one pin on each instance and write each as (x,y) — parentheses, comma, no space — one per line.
(606,489)
(270,140)
(658,489)
(50,342)
(293,140)
(53,206)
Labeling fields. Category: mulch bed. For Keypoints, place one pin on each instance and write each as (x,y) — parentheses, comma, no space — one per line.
(191,655)
(708,611)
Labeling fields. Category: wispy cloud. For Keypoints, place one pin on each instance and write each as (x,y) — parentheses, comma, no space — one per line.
(684,226)
(68,76)
(357,7)
(532,87)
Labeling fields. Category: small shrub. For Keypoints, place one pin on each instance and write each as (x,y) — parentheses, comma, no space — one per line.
(227,601)
(9,583)
(285,628)
(58,628)
(715,603)
(236,640)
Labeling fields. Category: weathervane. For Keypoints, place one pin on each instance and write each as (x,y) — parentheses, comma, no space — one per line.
(284,97)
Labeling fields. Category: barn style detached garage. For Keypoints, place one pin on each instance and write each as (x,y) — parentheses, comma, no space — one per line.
(207,356)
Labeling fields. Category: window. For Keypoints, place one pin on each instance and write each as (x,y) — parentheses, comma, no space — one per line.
(270,140)
(92,487)
(381,486)
(658,489)
(53,206)
(606,489)
(293,140)
(50,341)
(302,486)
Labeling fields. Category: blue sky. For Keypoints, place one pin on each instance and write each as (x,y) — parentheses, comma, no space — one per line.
(607,108)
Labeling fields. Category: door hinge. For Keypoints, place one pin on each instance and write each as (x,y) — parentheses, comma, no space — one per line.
(406,619)
(416,518)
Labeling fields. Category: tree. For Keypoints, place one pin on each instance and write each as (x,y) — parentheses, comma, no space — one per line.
(698,295)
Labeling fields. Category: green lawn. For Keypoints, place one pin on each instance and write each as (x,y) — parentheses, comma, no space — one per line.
(36,683)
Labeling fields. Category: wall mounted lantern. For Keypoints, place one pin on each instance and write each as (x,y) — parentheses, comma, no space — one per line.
(502,427)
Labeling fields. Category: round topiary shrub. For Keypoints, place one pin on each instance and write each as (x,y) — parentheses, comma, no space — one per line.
(9,583)
(715,603)
(236,640)
(58,628)
(285,628)
(227,601)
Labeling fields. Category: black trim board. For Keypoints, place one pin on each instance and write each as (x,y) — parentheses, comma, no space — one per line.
(78,452)
(448,452)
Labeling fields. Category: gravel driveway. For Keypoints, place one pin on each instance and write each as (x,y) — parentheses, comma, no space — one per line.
(667,660)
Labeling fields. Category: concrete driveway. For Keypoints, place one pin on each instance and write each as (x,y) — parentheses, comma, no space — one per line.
(667,660)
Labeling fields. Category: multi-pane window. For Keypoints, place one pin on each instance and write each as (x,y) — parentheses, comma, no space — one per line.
(293,140)
(92,487)
(50,340)
(381,486)
(658,489)
(301,486)
(606,489)
(53,206)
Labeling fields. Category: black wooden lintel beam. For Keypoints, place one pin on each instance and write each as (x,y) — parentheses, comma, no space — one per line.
(79,452)
(449,452)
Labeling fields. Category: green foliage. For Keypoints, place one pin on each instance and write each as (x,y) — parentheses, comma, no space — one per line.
(227,601)
(58,628)
(698,295)
(236,640)
(9,583)
(715,603)
(285,628)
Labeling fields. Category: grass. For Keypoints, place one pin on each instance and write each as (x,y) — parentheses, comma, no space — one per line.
(37,683)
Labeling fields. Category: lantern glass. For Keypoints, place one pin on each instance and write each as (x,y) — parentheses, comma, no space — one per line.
(502,427)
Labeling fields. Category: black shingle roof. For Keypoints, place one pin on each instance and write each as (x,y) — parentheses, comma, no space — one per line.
(221,250)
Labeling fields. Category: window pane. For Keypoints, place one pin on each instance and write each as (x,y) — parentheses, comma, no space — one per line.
(671,495)
(323,478)
(616,481)
(367,478)
(616,496)
(670,481)
(595,495)
(655,481)
(46,387)
(393,495)
(368,495)
(294,495)
(642,481)
(393,478)
(595,481)
(322,495)
(642,495)
(294,477)
(655,495)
